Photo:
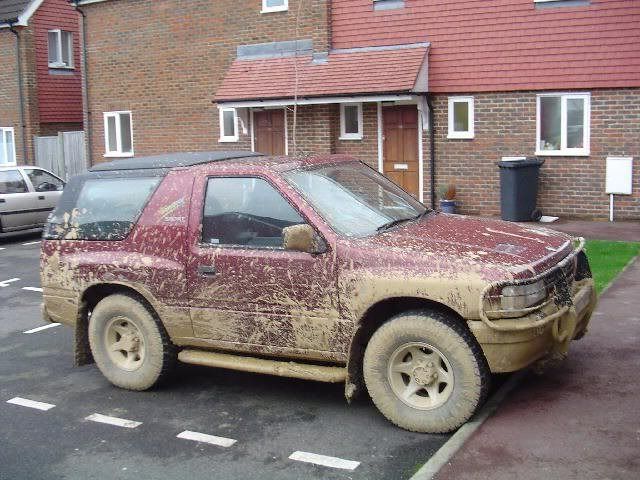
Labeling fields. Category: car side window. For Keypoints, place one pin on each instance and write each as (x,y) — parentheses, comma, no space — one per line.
(12,182)
(245,211)
(43,181)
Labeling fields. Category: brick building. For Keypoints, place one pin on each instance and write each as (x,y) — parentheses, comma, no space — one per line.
(40,87)
(402,84)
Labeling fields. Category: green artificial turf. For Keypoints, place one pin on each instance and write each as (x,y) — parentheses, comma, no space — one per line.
(607,259)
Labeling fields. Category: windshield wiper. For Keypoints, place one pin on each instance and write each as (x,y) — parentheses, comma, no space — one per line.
(392,223)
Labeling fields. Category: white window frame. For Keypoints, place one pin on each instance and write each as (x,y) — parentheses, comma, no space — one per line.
(228,138)
(343,126)
(280,8)
(470,133)
(4,146)
(60,63)
(118,151)
(586,132)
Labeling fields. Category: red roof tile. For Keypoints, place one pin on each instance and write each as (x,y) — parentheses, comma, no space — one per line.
(345,73)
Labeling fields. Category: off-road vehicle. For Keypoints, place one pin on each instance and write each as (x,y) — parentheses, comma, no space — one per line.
(315,268)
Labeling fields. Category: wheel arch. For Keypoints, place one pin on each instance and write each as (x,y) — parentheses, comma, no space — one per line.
(373,318)
(90,298)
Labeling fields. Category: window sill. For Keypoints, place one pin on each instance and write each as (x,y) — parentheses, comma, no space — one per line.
(57,66)
(561,153)
(274,10)
(118,155)
(228,140)
(350,137)
(460,136)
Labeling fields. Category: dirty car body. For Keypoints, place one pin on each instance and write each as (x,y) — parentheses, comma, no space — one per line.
(317,268)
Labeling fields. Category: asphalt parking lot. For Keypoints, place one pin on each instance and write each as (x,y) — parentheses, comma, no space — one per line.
(238,425)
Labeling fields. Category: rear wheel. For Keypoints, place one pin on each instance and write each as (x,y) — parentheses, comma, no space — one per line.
(425,372)
(130,347)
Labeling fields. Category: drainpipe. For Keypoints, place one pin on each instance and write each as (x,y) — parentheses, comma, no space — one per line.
(432,145)
(20,92)
(85,83)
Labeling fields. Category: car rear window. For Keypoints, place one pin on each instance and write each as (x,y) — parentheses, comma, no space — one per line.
(98,208)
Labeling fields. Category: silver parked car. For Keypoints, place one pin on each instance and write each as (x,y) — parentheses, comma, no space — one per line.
(27,195)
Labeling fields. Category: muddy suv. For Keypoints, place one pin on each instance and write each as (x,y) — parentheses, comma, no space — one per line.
(314,268)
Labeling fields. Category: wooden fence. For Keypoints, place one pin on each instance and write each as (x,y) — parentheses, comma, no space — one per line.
(63,154)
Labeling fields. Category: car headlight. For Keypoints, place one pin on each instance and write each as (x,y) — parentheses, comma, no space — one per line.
(520,297)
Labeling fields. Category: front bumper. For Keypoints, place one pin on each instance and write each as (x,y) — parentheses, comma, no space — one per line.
(511,344)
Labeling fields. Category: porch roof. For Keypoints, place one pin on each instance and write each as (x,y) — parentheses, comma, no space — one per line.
(399,69)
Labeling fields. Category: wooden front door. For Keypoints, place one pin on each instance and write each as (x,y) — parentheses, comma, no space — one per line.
(401,146)
(269,132)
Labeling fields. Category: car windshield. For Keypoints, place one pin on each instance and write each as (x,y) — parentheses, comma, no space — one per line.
(354,199)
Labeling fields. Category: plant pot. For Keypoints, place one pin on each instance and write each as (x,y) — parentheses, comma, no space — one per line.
(448,206)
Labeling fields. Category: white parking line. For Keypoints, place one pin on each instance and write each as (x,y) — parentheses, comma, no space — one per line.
(5,283)
(324,460)
(25,402)
(39,329)
(32,289)
(30,243)
(203,437)
(118,422)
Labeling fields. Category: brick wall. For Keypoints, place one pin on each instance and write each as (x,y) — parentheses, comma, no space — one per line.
(9,93)
(505,125)
(164,60)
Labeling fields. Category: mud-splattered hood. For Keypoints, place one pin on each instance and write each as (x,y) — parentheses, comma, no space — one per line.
(520,250)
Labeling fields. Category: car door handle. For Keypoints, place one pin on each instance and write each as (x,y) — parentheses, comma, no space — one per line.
(2,200)
(40,197)
(206,270)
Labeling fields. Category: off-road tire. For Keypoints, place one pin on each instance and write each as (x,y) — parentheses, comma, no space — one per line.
(471,375)
(160,354)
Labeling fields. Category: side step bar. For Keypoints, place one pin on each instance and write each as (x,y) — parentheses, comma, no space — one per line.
(280,368)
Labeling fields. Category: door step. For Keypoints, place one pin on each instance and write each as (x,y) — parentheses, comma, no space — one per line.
(280,368)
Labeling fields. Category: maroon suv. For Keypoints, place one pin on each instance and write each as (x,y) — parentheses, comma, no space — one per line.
(315,268)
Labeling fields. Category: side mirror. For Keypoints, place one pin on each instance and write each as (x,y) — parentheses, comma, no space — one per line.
(302,238)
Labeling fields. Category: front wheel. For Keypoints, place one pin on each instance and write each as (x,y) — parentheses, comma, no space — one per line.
(129,345)
(425,372)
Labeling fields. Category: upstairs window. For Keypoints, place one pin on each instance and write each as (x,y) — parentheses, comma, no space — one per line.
(350,121)
(563,124)
(461,117)
(118,134)
(60,49)
(7,146)
(274,6)
(228,125)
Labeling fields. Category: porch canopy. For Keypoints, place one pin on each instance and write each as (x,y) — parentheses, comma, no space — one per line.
(396,72)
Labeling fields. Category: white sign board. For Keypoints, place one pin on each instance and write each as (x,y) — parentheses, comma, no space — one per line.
(619,175)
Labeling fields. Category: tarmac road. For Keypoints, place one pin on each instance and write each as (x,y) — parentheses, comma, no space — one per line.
(269,418)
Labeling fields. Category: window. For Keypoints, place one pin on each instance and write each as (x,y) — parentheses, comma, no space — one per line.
(274,6)
(350,121)
(60,49)
(7,146)
(100,208)
(387,4)
(461,117)
(118,134)
(563,124)
(43,181)
(228,125)
(244,211)
(12,182)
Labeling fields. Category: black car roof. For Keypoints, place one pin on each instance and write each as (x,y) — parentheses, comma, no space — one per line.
(171,160)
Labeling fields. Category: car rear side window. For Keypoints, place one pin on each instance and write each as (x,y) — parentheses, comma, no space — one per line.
(12,182)
(243,211)
(104,208)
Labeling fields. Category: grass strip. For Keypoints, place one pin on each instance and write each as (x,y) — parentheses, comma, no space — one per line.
(607,259)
